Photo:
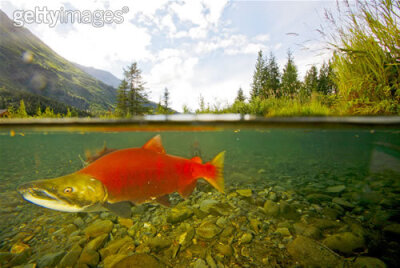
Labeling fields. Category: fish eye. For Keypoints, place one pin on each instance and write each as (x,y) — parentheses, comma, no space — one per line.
(68,190)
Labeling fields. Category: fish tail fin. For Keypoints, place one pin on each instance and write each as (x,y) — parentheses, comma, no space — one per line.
(218,180)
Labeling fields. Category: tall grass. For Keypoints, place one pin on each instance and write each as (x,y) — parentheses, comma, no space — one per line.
(367,56)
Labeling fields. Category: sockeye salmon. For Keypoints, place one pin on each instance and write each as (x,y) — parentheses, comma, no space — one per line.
(135,175)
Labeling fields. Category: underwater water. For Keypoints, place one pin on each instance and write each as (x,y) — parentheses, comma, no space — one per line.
(294,197)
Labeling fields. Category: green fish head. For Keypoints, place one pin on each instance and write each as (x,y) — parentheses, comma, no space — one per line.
(71,193)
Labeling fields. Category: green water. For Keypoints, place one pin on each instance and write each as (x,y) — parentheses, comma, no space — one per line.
(321,184)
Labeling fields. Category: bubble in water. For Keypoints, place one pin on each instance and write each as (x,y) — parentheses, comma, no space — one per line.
(27,57)
(38,82)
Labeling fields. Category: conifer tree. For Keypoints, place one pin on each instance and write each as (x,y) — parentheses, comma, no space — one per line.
(136,94)
(272,83)
(240,95)
(22,110)
(122,99)
(290,83)
(325,79)
(311,81)
(257,84)
(166,100)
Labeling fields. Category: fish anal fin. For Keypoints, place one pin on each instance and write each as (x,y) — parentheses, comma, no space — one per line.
(197,159)
(186,191)
(121,209)
(163,200)
(155,144)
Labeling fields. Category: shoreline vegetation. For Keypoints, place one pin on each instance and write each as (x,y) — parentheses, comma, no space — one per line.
(361,78)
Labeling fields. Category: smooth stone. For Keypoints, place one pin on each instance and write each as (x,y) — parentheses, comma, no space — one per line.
(307,230)
(70,228)
(393,229)
(254,224)
(98,228)
(210,261)
(342,202)
(326,224)
(97,242)
(128,223)
(222,222)
(208,204)
(19,247)
(316,198)
(114,246)
(368,262)
(199,263)
(336,189)
(283,231)
(158,243)
(79,222)
(345,242)
(138,261)
(112,260)
(223,249)
(71,258)
(312,254)
(207,230)
(245,192)
(271,208)
(89,257)
(287,211)
(51,259)
(273,196)
(179,214)
(246,238)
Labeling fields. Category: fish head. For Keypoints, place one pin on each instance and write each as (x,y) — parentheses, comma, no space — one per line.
(75,192)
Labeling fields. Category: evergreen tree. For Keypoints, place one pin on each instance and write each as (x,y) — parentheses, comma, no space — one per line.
(68,114)
(258,76)
(325,79)
(290,82)
(240,96)
(22,110)
(272,82)
(122,99)
(39,112)
(186,109)
(166,100)
(136,94)
(311,81)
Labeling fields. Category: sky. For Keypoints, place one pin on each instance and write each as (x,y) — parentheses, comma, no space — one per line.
(194,48)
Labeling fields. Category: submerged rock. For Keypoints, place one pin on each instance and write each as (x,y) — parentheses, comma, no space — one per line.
(313,254)
(178,214)
(368,262)
(342,202)
(51,259)
(246,238)
(97,242)
(344,242)
(317,198)
(207,230)
(89,257)
(199,263)
(271,208)
(98,228)
(307,230)
(115,246)
(138,261)
(71,258)
(335,189)
(225,250)
(245,192)
(392,229)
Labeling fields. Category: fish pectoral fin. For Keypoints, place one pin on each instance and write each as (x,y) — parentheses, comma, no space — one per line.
(121,209)
(188,189)
(155,145)
(163,200)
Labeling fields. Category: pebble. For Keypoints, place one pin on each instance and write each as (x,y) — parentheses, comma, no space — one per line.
(223,249)
(89,257)
(98,228)
(179,214)
(51,259)
(114,246)
(316,198)
(271,208)
(283,231)
(207,230)
(138,260)
(312,254)
(71,258)
(246,238)
(19,247)
(245,192)
(199,263)
(97,242)
(368,262)
(346,242)
(79,222)
(342,202)
(336,189)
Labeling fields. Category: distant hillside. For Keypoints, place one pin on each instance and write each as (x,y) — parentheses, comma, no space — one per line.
(104,76)
(28,65)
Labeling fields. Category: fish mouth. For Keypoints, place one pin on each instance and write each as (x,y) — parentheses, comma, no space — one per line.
(45,198)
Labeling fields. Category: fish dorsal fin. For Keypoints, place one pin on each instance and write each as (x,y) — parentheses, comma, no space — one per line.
(197,159)
(155,145)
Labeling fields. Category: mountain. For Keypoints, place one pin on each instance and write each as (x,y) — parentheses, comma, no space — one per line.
(27,65)
(104,76)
